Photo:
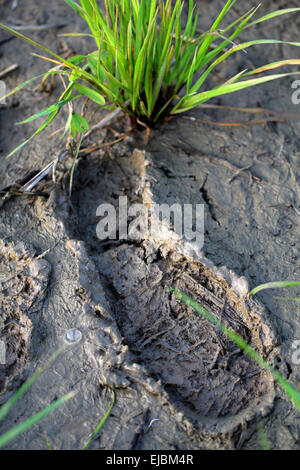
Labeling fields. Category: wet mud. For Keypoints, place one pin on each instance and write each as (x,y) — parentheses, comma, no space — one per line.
(203,373)
(163,360)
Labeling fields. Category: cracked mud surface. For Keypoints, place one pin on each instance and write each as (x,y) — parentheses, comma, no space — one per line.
(163,361)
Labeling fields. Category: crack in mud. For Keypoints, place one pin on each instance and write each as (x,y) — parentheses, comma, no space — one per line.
(209,202)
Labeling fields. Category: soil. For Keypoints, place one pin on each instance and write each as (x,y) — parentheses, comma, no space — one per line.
(164,362)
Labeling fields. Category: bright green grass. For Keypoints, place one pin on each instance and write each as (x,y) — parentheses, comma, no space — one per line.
(275,285)
(96,431)
(101,423)
(25,425)
(144,57)
(263,438)
(30,422)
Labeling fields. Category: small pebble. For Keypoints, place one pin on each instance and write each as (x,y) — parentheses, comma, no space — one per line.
(73,336)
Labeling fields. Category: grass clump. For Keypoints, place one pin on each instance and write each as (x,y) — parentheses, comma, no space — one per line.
(147,63)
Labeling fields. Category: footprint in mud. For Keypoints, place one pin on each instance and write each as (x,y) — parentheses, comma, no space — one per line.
(203,371)
(204,374)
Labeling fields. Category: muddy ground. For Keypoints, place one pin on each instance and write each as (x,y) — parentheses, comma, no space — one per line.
(162,360)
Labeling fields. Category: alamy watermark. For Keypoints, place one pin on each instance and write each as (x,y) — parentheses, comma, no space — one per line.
(296,94)
(2,352)
(2,92)
(160,221)
(296,352)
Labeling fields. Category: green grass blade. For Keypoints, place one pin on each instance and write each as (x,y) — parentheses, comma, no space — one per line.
(113,80)
(91,94)
(10,403)
(275,65)
(60,59)
(223,13)
(78,124)
(192,101)
(164,107)
(139,66)
(47,442)
(139,27)
(74,165)
(263,438)
(40,129)
(244,46)
(273,15)
(68,123)
(22,85)
(243,21)
(191,74)
(92,16)
(149,87)
(241,18)
(158,82)
(96,431)
(274,285)
(288,299)
(236,77)
(76,35)
(293,394)
(32,42)
(22,427)
(168,36)
(209,39)
(53,108)
(75,7)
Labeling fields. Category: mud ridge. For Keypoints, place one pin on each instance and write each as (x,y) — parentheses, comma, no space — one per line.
(23,284)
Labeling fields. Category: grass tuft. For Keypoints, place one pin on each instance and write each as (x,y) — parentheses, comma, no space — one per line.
(146,63)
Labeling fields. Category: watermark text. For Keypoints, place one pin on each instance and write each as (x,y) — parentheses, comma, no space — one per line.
(160,221)
(296,93)
(2,352)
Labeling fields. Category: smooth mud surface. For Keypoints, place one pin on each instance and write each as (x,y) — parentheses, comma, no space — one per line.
(163,361)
